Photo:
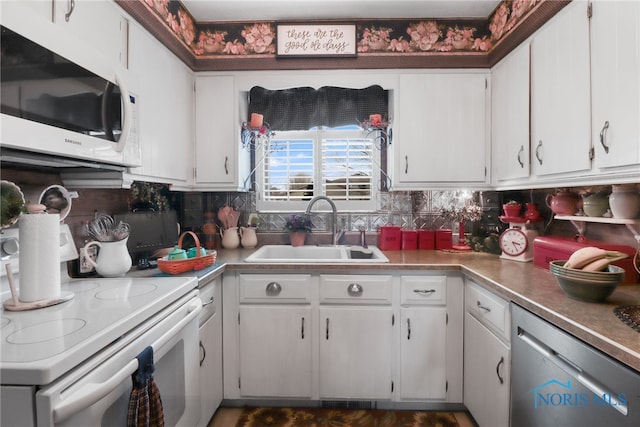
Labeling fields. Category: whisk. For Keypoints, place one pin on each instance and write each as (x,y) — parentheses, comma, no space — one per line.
(104,229)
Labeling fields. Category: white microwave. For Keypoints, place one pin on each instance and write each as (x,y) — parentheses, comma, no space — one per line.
(78,108)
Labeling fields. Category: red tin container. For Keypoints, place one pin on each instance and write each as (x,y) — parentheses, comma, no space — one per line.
(426,239)
(409,240)
(443,239)
(389,238)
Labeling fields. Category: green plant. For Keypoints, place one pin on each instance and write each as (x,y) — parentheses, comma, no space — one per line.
(11,204)
(298,223)
(512,203)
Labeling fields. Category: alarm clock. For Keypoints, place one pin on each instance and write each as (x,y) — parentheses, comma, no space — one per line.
(516,242)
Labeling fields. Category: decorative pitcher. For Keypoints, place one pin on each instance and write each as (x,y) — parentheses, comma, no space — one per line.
(563,203)
(230,238)
(113,258)
(624,201)
(595,204)
(248,237)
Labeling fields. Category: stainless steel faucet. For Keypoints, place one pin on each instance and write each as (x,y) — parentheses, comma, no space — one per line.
(334,216)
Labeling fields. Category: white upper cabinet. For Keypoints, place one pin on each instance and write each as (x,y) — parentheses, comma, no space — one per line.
(615,75)
(163,86)
(440,132)
(510,116)
(98,23)
(220,163)
(560,94)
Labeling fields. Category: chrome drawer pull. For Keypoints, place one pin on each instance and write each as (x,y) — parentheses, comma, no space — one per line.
(204,353)
(603,136)
(204,304)
(424,291)
(273,288)
(479,304)
(355,290)
(408,329)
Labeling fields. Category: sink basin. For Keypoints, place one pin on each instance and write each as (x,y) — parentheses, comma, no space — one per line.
(316,254)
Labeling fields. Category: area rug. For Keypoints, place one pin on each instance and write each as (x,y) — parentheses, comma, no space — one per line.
(319,417)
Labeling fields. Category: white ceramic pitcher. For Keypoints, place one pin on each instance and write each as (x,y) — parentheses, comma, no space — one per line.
(230,238)
(113,258)
(249,237)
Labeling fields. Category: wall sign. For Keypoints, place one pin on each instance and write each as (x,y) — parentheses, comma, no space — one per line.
(304,40)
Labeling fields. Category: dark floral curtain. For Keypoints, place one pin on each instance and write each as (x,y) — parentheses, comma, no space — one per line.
(303,108)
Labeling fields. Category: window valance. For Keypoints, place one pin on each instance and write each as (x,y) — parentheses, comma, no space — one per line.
(303,108)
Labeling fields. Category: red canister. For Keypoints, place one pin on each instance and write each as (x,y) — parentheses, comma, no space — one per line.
(443,239)
(409,240)
(389,238)
(426,239)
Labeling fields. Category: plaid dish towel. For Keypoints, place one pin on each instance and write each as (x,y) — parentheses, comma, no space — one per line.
(145,405)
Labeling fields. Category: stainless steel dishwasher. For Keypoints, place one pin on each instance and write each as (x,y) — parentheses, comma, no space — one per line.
(557,380)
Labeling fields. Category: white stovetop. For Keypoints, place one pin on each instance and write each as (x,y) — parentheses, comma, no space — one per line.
(40,345)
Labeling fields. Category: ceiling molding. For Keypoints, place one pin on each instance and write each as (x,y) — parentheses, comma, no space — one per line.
(529,23)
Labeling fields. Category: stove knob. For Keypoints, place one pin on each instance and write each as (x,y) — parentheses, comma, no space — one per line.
(10,246)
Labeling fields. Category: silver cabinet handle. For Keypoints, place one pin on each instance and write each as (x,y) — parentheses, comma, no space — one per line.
(538,149)
(204,304)
(424,292)
(226,165)
(354,289)
(498,369)
(302,329)
(408,329)
(479,304)
(273,288)
(71,4)
(520,151)
(406,164)
(603,136)
(327,329)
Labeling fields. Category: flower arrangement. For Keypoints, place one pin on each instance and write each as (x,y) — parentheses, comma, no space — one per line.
(212,41)
(460,38)
(374,39)
(259,38)
(298,223)
(424,35)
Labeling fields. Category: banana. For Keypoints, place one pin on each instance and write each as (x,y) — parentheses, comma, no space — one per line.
(597,265)
(592,258)
(584,256)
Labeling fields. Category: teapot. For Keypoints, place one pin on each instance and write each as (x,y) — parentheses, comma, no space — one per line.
(230,238)
(595,204)
(563,203)
(248,237)
(113,258)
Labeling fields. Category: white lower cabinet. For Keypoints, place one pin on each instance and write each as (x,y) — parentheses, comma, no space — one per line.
(487,357)
(313,336)
(210,350)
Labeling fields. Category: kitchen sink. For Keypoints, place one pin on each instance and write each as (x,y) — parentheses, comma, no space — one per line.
(317,254)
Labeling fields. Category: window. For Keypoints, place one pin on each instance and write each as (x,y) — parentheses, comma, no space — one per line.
(342,163)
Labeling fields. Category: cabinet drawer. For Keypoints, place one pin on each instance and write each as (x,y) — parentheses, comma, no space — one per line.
(423,290)
(491,310)
(207,295)
(266,288)
(355,289)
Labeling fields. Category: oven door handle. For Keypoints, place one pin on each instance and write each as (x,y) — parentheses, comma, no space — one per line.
(91,393)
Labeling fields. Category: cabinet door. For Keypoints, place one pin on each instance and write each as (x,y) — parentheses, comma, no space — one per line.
(615,82)
(510,115)
(210,367)
(423,353)
(164,89)
(560,94)
(487,362)
(275,351)
(98,23)
(440,129)
(355,353)
(217,133)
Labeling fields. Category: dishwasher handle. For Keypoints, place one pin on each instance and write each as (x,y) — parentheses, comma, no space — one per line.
(91,393)
(573,369)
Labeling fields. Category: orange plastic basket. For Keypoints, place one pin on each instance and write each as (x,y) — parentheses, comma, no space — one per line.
(179,266)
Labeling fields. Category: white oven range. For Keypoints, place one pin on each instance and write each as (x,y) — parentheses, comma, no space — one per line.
(71,363)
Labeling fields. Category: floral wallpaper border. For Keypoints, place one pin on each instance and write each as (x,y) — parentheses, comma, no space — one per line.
(210,40)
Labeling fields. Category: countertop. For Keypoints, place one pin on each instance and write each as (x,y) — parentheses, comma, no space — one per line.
(531,287)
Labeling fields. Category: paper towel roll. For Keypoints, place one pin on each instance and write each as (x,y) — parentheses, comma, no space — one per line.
(39,257)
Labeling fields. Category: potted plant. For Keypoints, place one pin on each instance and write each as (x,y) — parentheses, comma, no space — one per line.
(512,209)
(12,203)
(298,226)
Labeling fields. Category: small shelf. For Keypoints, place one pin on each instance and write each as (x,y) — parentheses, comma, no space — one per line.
(579,222)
